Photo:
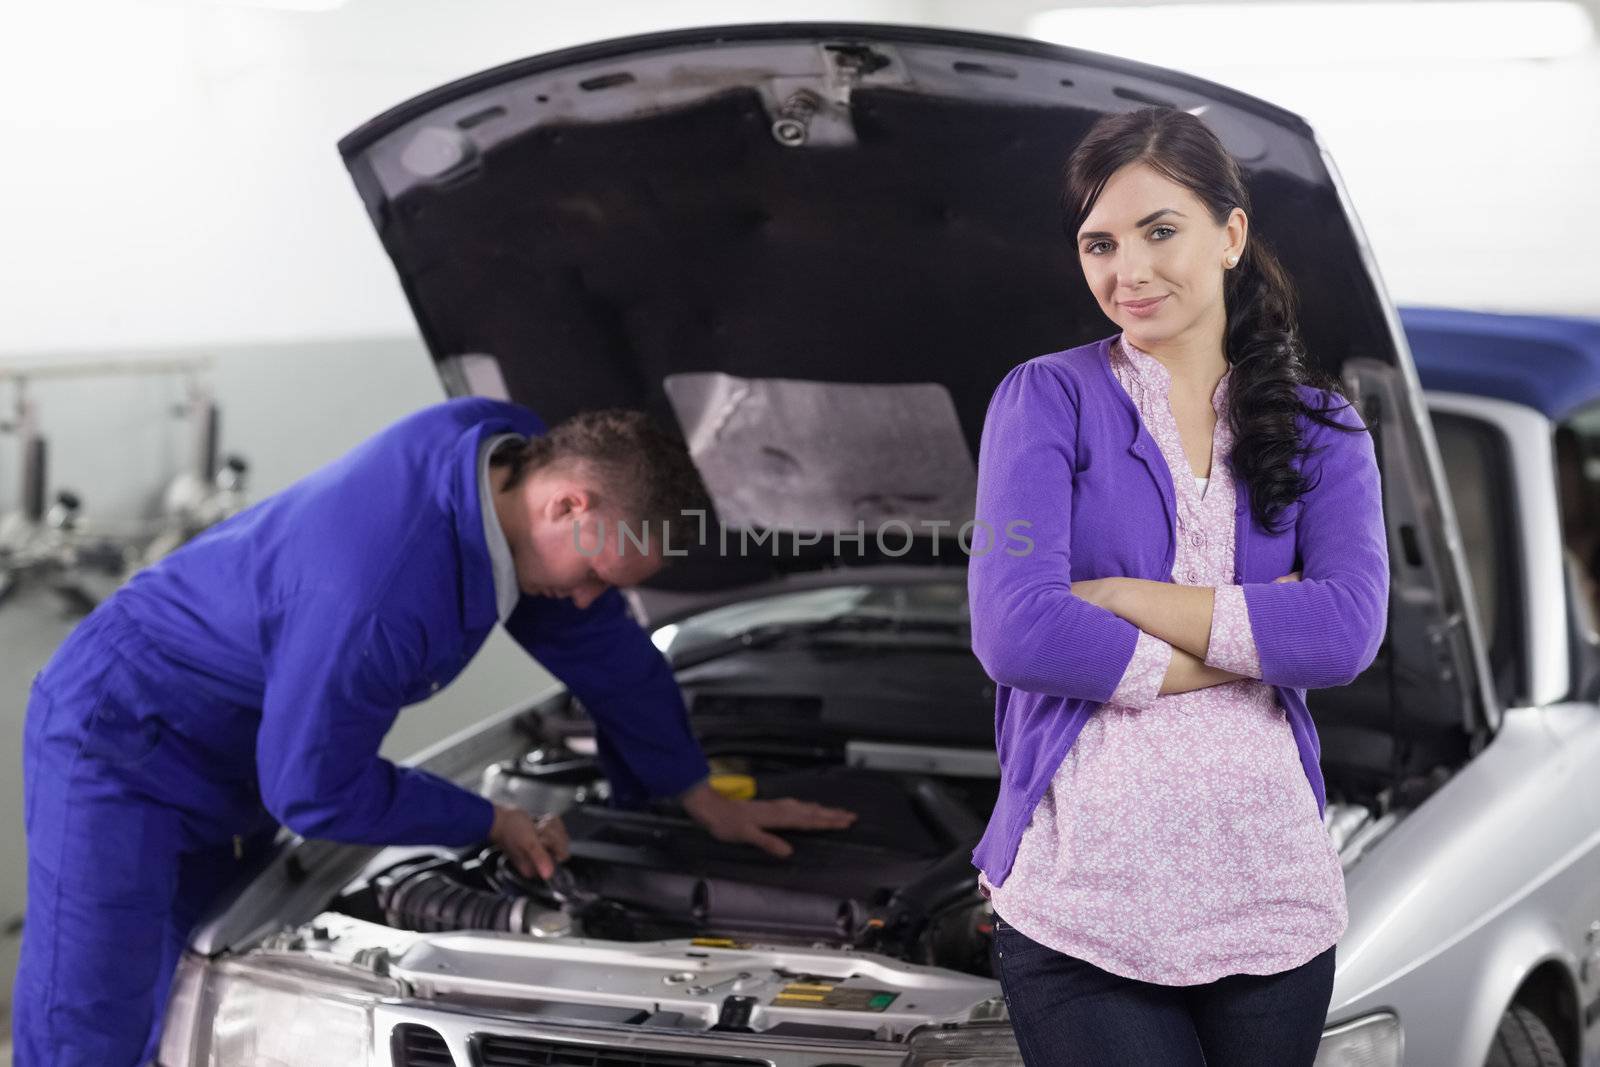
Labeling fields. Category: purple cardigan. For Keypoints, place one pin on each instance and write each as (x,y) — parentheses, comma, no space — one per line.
(1064,450)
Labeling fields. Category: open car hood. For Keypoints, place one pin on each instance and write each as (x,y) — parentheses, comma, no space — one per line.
(814,249)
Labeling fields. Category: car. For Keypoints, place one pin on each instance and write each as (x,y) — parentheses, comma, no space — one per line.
(815,249)
(1514,402)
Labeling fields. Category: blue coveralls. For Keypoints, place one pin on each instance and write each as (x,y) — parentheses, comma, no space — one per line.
(248,679)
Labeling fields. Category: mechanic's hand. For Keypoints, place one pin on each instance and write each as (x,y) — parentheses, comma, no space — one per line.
(1292,576)
(747,821)
(534,846)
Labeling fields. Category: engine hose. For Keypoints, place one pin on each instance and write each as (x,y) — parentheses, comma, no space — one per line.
(421,895)
(942,886)
(705,903)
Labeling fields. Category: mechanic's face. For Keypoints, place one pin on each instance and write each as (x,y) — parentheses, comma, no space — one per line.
(1154,258)
(564,546)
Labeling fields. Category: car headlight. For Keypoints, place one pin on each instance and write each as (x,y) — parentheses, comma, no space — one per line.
(1371,1041)
(1374,1041)
(965,1046)
(269,1012)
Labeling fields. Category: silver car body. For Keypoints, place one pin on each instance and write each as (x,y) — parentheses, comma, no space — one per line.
(1489,892)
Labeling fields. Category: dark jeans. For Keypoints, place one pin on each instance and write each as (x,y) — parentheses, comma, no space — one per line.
(1066,1011)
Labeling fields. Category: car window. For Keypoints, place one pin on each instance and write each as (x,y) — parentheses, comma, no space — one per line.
(1577,458)
(1477,468)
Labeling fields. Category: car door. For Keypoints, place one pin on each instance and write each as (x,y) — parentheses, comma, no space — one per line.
(1501,462)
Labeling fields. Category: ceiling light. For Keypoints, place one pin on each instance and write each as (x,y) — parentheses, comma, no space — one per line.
(285,5)
(1215,35)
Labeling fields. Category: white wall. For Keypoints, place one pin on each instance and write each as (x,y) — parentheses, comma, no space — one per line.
(169,177)
(1476,181)
(168,174)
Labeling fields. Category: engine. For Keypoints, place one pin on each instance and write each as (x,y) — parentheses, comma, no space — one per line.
(899,881)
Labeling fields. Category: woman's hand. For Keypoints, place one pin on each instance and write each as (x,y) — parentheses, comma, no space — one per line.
(1178,614)
(1187,672)
(1097,591)
(1103,592)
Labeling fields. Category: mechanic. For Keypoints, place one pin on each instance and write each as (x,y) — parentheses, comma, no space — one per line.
(248,679)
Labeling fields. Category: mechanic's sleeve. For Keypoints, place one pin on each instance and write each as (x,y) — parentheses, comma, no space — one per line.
(1029,630)
(645,743)
(335,682)
(1325,629)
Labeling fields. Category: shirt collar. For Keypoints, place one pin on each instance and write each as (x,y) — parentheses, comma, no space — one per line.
(1152,373)
(506,591)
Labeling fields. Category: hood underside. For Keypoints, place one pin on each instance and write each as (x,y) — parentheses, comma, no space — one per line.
(860,219)
(814,250)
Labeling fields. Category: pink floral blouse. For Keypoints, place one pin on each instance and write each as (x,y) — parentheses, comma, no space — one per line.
(1179,841)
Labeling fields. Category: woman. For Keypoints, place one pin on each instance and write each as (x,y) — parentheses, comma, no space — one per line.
(1206,543)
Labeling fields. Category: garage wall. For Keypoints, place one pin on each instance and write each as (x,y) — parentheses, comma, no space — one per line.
(182,184)
(174,179)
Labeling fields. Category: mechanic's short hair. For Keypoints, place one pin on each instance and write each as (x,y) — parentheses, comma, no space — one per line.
(637,470)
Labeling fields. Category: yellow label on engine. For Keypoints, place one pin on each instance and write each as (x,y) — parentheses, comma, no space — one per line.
(734,786)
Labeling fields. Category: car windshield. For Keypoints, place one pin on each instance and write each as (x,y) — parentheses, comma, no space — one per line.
(941,605)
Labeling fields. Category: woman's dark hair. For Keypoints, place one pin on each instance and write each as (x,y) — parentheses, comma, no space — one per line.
(1262,339)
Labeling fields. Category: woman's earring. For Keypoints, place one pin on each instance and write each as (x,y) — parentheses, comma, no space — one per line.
(1233,261)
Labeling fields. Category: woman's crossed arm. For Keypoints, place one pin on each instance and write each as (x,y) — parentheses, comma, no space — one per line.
(1180,615)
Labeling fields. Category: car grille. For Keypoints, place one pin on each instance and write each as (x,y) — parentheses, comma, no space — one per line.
(495,1051)
(418,1046)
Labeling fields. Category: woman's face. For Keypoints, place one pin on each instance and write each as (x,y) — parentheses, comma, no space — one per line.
(1154,259)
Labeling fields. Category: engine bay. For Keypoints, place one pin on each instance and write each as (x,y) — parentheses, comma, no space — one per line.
(868,937)
(898,882)
(872,933)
